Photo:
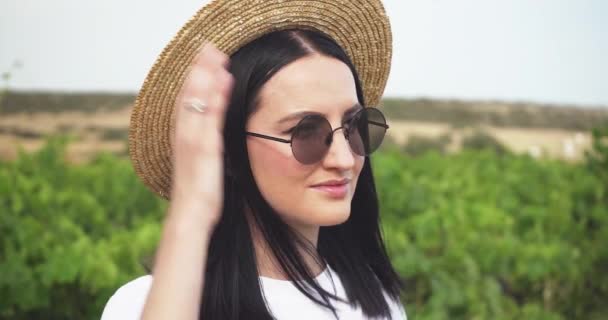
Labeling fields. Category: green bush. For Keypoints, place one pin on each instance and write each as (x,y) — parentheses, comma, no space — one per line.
(480,139)
(476,235)
(597,157)
(482,236)
(70,235)
(417,145)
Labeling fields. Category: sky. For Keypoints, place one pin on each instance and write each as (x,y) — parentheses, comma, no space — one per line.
(543,51)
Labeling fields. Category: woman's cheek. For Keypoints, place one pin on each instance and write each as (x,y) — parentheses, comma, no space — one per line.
(276,171)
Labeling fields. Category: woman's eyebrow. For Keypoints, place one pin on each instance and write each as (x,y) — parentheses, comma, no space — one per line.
(301,114)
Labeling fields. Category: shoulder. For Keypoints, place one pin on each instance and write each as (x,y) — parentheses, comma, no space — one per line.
(396,307)
(128,301)
(398,311)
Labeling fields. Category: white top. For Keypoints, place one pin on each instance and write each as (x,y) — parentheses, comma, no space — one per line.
(284,300)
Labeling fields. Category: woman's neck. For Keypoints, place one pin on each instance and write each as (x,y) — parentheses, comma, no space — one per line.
(267,264)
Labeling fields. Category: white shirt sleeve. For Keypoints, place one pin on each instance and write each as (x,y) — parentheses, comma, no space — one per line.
(397,310)
(402,311)
(128,301)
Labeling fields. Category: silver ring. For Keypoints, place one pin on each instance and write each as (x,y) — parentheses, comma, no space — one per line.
(196,105)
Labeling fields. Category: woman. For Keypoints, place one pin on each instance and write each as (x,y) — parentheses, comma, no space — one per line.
(273,210)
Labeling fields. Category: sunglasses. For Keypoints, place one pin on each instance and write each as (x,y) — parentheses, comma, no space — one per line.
(312,136)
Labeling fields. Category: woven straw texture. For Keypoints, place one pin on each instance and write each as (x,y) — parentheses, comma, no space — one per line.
(361,27)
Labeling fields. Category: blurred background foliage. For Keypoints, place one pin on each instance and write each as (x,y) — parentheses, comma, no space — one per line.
(70,234)
(486,234)
(478,234)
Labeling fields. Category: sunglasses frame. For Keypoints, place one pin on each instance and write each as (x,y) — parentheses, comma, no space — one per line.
(331,134)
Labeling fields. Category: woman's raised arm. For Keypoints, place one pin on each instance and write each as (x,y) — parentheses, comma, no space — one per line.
(197,190)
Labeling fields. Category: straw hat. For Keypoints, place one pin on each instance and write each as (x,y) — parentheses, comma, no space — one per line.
(360,27)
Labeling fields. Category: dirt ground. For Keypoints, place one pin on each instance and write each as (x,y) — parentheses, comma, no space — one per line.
(86,127)
(551,143)
(92,133)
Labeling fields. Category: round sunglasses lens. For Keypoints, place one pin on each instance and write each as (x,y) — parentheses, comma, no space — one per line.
(309,140)
(367,131)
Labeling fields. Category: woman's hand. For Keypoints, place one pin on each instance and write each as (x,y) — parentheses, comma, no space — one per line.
(198,144)
(197,190)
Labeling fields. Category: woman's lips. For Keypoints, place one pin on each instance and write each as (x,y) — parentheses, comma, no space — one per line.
(334,191)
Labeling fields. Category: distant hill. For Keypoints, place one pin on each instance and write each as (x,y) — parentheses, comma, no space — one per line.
(100,122)
(458,113)
(13,102)
(495,113)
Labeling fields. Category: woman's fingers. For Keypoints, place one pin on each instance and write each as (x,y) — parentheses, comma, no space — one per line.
(209,82)
(210,53)
(198,143)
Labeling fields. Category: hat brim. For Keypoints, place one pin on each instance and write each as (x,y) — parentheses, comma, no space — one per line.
(360,27)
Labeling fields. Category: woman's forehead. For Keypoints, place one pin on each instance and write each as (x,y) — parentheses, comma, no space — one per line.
(315,83)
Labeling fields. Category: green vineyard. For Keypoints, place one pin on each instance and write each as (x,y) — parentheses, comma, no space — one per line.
(475,235)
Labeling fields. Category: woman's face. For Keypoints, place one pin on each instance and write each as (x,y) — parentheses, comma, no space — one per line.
(318,84)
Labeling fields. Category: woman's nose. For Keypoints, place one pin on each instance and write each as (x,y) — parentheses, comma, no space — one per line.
(339,153)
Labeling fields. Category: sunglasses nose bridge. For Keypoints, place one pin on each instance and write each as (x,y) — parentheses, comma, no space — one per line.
(330,136)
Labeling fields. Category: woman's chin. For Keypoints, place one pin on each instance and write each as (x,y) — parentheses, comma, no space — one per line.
(332,214)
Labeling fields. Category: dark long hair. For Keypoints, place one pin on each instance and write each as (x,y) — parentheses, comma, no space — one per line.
(354,249)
